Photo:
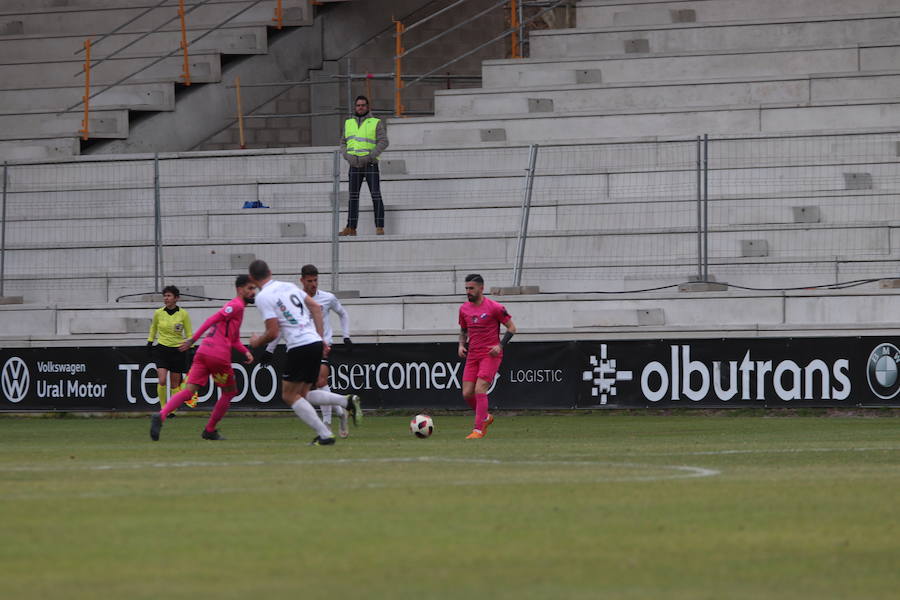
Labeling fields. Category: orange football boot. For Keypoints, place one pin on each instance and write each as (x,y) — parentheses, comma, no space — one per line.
(487,423)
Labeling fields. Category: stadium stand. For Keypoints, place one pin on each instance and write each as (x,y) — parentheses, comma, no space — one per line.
(799,98)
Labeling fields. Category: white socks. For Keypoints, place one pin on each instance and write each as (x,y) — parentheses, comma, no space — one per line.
(307,414)
(326,406)
(323,398)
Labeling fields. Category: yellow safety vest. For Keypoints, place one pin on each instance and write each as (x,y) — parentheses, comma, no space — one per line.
(360,138)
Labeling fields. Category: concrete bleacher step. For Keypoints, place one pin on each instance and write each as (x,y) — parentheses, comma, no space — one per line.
(723,92)
(580,247)
(74,19)
(657,191)
(37,125)
(637,68)
(573,314)
(388,282)
(228,40)
(142,96)
(606,13)
(757,35)
(63,73)
(627,216)
(19,5)
(596,125)
(55,148)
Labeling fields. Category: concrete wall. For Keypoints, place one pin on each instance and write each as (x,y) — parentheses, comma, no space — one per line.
(563,317)
(362,33)
(143,16)
(757,35)
(603,13)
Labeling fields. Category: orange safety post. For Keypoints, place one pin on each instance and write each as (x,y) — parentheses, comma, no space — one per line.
(514,23)
(240,112)
(398,79)
(86,99)
(186,69)
(279,16)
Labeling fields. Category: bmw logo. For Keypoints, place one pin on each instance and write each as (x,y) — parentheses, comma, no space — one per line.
(882,371)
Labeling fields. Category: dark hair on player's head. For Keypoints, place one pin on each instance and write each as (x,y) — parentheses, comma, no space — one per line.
(171,289)
(358,98)
(241,280)
(474,277)
(259,270)
(307,270)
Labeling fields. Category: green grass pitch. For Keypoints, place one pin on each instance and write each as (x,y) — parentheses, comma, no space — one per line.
(547,506)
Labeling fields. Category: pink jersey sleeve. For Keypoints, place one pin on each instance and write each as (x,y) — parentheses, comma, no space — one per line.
(212,320)
(224,328)
(234,332)
(462,319)
(501,314)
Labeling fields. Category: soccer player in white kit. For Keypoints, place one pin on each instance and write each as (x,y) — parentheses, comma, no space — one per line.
(290,313)
(309,280)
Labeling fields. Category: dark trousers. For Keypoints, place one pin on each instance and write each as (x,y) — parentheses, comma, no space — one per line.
(372,177)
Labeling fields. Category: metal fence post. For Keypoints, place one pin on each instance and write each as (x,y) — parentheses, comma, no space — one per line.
(3,233)
(699,210)
(521,10)
(705,207)
(336,222)
(350,110)
(526,212)
(157,224)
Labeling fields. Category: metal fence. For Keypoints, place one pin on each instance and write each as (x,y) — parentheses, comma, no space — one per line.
(756,212)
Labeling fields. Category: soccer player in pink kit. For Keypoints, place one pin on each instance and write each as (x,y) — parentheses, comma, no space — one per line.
(213,358)
(480,344)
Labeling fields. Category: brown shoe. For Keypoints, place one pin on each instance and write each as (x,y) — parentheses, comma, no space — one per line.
(379,231)
(347,231)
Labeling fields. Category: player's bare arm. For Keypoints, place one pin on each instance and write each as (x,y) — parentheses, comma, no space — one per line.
(271,333)
(510,331)
(463,342)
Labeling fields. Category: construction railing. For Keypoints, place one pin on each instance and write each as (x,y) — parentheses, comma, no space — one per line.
(182,15)
(810,211)
(516,32)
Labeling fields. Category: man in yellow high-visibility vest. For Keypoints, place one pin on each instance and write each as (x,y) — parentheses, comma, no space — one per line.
(364,139)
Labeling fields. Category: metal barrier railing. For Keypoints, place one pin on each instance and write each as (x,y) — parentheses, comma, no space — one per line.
(810,210)
(85,122)
(183,46)
(516,32)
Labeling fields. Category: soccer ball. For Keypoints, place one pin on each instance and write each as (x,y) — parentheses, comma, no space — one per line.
(422,426)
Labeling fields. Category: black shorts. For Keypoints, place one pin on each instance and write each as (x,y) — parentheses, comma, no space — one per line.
(302,363)
(171,359)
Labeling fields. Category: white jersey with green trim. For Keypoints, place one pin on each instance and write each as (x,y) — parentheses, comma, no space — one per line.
(286,302)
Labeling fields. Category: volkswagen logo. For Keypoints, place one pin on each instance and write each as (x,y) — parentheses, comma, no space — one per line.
(15,379)
(882,371)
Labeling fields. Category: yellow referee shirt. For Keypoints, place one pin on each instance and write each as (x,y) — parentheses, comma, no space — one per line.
(173,327)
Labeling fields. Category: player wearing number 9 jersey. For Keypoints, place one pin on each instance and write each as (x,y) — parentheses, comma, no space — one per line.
(294,316)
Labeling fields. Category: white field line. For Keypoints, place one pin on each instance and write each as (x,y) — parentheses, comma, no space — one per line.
(759,451)
(673,471)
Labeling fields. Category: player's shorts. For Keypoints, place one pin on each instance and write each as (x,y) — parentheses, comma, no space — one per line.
(302,363)
(170,358)
(205,365)
(484,367)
